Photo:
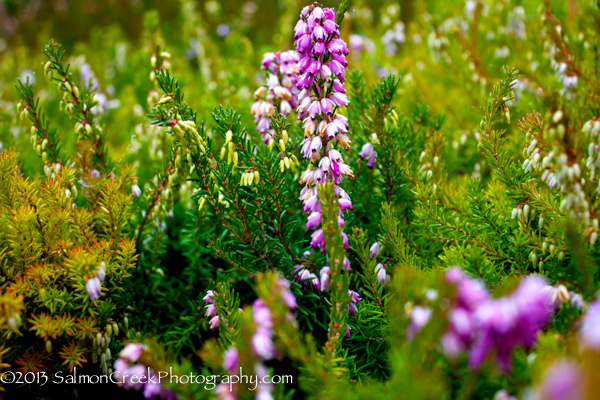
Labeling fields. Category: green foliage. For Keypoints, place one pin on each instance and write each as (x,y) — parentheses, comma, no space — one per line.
(152,171)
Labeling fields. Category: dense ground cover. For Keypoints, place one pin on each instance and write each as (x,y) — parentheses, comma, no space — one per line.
(369,199)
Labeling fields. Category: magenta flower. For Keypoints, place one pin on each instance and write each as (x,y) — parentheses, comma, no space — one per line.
(152,388)
(280,93)
(209,298)
(324,278)
(348,334)
(132,352)
(286,296)
(589,333)
(262,339)
(321,70)
(138,371)
(483,325)
(419,317)
(380,272)
(354,299)
(231,361)
(211,310)
(214,322)
(505,323)
(301,274)
(262,344)
(565,379)
(93,288)
(145,377)
(368,152)
(375,248)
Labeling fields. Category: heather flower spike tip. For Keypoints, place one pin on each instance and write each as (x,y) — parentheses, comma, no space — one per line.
(321,80)
(280,92)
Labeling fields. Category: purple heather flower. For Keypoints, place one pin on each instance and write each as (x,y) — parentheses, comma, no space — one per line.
(101,272)
(152,388)
(223,392)
(321,70)
(286,296)
(231,361)
(262,340)
(261,314)
(346,263)
(314,219)
(576,300)
(121,366)
(135,189)
(589,333)
(138,370)
(354,299)
(380,272)
(262,343)
(318,240)
(95,173)
(93,288)
(348,334)
(482,325)
(280,92)
(375,248)
(223,30)
(358,42)
(209,298)
(301,274)
(324,278)
(513,320)
(214,322)
(565,379)
(503,395)
(419,317)
(368,152)
(132,352)
(211,310)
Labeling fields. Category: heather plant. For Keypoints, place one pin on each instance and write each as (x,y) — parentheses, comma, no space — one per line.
(405,207)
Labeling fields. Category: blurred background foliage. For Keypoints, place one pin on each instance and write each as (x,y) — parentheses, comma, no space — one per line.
(217,47)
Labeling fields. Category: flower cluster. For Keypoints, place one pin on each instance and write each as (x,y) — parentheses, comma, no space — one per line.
(211,309)
(324,273)
(279,93)
(322,75)
(137,376)
(93,285)
(262,340)
(563,70)
(482,325)
(393,37)
(564,379)
(561,170)
(303,275)
(589,333)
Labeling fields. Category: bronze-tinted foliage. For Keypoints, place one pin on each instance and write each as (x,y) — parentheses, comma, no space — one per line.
(53,241)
